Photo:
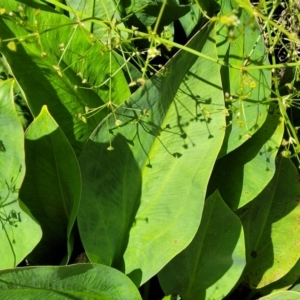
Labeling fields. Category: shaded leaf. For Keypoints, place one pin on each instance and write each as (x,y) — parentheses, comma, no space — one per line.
(242,174)
(150,11)
(247,90)
(213,262)
(157,173)
(51,188)
(191,19)
(22,109)
(272,228)
(62,67)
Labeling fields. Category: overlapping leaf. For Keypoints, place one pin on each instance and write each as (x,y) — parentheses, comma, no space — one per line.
(246,85)
(19,232)
(272,229)
(242,174)
(213,262)
(51,188)
(59,65)
(82,281)
(142,202)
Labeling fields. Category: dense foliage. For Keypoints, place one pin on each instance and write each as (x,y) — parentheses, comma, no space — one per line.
(148,139)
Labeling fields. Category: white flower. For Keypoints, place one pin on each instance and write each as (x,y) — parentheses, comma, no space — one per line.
(118,122)
(153,52)
(231,20)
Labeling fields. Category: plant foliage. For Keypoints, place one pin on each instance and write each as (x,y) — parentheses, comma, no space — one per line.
(148,139)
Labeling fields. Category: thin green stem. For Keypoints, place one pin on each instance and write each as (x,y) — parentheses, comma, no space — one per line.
(290,128)
(62,6)
(187,49)
(257,14)
(58,8)
(199,54)
(67,46)
(161,11)
(110,64)
(202,10)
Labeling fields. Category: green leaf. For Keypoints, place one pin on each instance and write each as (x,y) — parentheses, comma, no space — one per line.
(213,262)
(82,281)
(271,228)
(242,174)
(61,66)
(247,90)
(106,10)
(51,188)
(191,19)
(284,282)
(148,193)
(296,287)
(19,232)
(148,11)
(210,7)
(22,108)
(288,295)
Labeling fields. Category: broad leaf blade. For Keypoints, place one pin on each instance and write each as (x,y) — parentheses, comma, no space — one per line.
(242,174)
(82,281)
(61,66)
(271,228)
(213,262)
(51,188)
(19,232)
(247,89)
(157,173)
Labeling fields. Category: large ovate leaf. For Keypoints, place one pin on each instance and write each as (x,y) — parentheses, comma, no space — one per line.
(246,86)
(19,232)
(242,174)
(82,281)
(213,262)
(142,202)
(60,66)
(51,188)
(271,228)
